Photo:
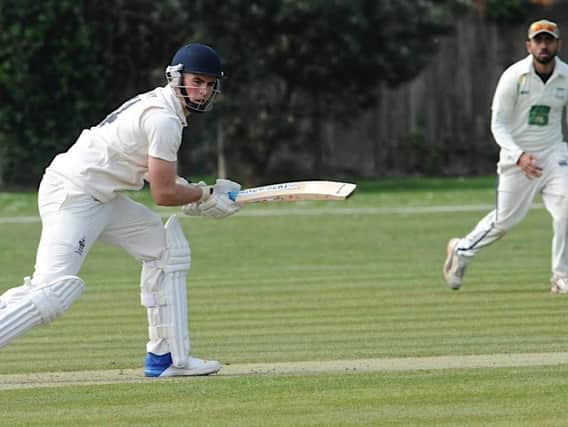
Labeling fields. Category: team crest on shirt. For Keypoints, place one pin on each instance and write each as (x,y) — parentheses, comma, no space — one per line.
(560,93)
(538,115)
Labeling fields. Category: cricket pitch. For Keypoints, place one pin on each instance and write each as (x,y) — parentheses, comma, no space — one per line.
(119,376)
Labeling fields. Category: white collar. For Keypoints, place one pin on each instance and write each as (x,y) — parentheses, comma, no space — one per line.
(176,104)
(560,67)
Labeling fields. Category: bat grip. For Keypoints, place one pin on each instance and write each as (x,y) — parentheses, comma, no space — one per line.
(233,195)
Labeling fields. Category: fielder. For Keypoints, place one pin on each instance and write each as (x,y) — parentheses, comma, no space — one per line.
(81,200)
(526,123)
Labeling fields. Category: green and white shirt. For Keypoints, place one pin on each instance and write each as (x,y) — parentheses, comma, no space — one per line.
(526,112)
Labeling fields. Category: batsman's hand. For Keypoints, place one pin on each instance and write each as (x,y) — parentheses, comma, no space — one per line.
(217,201)
(226,186)
(218,206)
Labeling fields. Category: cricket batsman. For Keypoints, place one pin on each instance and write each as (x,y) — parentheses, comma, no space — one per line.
(81,200)
(526,123)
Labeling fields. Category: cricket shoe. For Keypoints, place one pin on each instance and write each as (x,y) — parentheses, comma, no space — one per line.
(559,285)
(161,366)
(455,265)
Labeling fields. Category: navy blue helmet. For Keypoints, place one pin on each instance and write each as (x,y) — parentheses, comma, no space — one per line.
(195,59)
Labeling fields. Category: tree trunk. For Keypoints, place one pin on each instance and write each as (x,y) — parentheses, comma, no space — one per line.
(221,165)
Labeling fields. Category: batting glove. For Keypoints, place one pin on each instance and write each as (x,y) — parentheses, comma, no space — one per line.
(218,206)
(217,200)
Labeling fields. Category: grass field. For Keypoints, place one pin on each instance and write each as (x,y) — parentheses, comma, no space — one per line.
(308,284)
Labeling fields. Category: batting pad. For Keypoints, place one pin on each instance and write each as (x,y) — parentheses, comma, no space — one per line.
(40,306)
(14,295)
(164,294)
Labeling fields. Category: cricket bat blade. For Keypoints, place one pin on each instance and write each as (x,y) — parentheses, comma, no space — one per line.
(295,191)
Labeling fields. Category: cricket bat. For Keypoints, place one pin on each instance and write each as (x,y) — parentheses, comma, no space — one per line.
(295,191)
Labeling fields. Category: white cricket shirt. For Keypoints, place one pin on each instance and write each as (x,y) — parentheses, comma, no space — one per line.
(527,113)
(113,156)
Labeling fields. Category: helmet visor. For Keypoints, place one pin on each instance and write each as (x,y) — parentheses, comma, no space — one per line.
(199,98)
(198,91)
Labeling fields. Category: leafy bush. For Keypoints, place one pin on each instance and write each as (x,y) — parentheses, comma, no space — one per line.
(64,64)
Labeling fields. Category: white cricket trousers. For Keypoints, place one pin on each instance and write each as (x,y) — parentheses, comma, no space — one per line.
(72,221)
(515,194)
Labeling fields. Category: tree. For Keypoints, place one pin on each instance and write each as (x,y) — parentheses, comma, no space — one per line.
(292,64)
(64,64)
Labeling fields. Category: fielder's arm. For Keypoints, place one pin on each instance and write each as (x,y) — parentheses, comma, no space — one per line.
(502,112)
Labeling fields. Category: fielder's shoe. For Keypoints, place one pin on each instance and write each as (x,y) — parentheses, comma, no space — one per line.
(455,265)
(559,285)
(161,366)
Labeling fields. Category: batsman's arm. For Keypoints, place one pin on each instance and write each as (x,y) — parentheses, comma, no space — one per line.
(162,176)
